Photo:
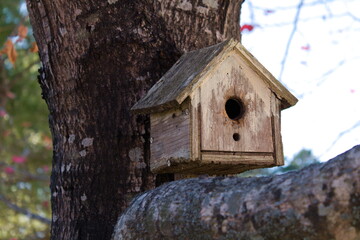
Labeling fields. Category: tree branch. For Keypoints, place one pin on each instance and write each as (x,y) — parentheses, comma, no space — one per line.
(27,176)
(341,134)
(321,201)
(290,38)
(24,211)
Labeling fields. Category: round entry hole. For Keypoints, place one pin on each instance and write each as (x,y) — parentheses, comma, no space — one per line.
(236,136)
(234,108)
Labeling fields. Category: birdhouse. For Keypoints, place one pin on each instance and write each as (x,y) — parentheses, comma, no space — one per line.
(216,111)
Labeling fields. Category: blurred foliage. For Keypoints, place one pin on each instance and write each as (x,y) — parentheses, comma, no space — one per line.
(25,142)
(300,160)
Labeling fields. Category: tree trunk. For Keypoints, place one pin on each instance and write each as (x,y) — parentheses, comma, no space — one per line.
(320,202)
(99,58)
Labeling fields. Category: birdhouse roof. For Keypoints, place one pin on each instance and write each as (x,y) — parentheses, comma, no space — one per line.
(190,70)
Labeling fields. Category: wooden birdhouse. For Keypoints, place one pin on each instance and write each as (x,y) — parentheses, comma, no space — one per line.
(216,111)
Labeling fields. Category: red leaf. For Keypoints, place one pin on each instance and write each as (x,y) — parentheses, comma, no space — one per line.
(305,47)
(6,133)
(10,51)
(26,124)
(34,47)
(22,32)
(268,11)
(352,91)
(2,113)
(247,27)
(18,159)
(45,168)
(45,204)
(10,95)
(9,170)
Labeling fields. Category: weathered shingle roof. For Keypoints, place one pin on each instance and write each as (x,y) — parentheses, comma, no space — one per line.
(186,74)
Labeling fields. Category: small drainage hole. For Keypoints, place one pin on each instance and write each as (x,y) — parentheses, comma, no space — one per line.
(236,136)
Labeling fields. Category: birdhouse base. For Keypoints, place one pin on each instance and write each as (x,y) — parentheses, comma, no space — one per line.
(216,164)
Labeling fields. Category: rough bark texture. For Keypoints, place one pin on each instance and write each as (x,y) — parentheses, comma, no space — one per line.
(320,202)
(99,58)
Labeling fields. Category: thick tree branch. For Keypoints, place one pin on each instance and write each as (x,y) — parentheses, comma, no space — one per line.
(318,202)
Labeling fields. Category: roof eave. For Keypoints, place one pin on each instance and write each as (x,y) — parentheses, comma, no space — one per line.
(198,80)
(156,108)
(286,97)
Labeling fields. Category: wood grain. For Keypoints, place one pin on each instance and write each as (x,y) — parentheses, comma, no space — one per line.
(184,73)
(170,136)
(234,78)
(189,72)
(195,125)
(206,139)
(286,97)
(276,129)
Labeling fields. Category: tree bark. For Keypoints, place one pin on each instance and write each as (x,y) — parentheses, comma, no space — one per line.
(319,202)
(98,58)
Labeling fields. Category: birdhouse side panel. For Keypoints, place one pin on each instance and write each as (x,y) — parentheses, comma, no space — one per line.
(170,138)
(195,128)
(236,110)
(276,123)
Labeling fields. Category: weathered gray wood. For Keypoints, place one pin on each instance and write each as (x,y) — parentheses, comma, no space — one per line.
(286,97)
(189,71)
(320,202)
(170,137)
(195,125)
(188,68)
(276,129)
(250,158)
(207,79)
(233,77)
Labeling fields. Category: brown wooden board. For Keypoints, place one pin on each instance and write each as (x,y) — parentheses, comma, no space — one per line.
(195,125)
(188,73)
(190,66)
(286,97)
(170,137)
(233,78)
(276,123)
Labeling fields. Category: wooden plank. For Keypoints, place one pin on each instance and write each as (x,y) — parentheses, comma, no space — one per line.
(246,158)
(176,85)
(233,78)
(220,163)
(170,136)
(287,98)
(188,73)
(179,176)
(276,123)
(195,119)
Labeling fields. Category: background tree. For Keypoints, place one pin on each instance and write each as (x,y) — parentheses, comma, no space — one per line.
(311,46)
(25,143)
(24,185)
(98,58)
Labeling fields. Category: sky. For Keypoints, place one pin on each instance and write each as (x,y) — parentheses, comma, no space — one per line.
(321,68)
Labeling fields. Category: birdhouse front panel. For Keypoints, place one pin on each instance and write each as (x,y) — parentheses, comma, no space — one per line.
(236,111)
